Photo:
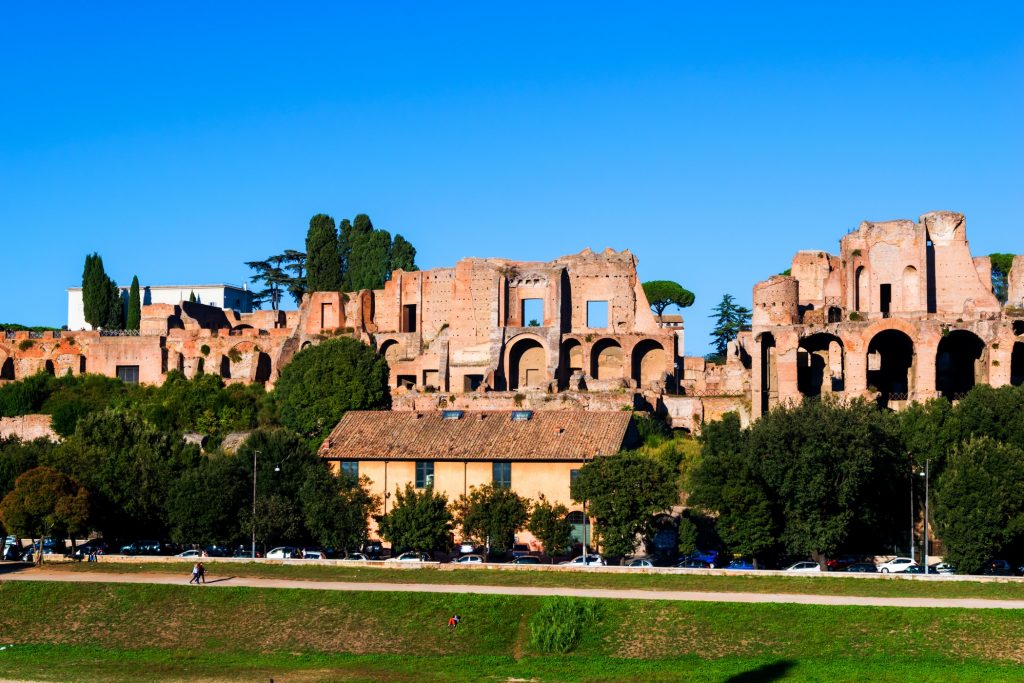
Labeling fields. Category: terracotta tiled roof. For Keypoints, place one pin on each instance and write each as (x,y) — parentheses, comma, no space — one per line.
(478,435)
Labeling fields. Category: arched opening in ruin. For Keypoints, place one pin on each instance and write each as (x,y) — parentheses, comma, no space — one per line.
(858,288)
(1017,365)
(305,345)
(49,368)
(7,368)
(959,363)
(835,314)
(891,366)
(649,362)
(769,373)
(820,365)
(1018,327)
(262,373)
(225,367)
(526,364)
(570,361)
(390,351)
(911,290)
(81,365)
(606,359)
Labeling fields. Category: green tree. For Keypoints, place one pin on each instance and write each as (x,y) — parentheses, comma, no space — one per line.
(115,308)
(622,493)
(979,504)
(1001,265)
(278,520)
(336,508)
(418,520)
(549,524)
(664,293)
(491,515)
(204,504)
(101,298)
(323,382)
(403,255)
(730,319)
(192,297)
(134,306)
(45,502)
(323,261)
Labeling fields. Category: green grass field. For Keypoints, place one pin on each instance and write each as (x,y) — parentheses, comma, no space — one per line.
(820,585)
(120,632)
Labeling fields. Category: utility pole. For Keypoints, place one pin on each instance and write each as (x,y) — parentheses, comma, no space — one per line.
(254,454)
(926,467)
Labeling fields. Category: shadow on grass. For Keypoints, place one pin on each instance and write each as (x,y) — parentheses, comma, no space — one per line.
(765,672)
(11,567)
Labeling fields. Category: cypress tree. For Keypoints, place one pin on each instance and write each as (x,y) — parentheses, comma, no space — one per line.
(192,297)
(114,306)
(96,295)
(403,255)
(345,250)
(323,258)
(134,306)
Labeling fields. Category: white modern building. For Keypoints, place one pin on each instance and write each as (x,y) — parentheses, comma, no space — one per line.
(222,296)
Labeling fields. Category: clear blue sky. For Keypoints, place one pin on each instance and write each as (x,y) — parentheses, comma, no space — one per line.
(712,140)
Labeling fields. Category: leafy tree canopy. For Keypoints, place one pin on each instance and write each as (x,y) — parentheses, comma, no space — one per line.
(550,525)
(323,260)
(492,515)
(336,508)
(664,293)
(44,502)
(417,520)
(730,319)
(1001,265)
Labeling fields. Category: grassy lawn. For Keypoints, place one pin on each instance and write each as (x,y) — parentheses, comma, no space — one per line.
(120,632)
(821,585)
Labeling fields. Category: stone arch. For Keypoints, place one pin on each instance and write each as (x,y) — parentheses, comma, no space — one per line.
(527,363)
(769,372)
(820,365)
(390,351)
(911,289)
(6,366)
(959,363)
(225,367)
(1017,364)
(570,360)
(49,367)
(649,360)
(246,361)
(305,345)
(891,365)
(606,359)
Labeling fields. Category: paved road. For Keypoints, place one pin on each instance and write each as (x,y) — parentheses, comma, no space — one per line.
(614,594)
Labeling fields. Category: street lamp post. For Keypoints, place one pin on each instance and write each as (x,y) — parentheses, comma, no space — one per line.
(254,454)
(912,511)
(927,463)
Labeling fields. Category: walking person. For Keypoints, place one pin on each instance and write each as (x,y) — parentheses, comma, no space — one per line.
(195,574)
(202,573)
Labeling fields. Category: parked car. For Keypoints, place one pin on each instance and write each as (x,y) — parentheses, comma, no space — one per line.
(805,566)
(942,568)
(282,553)
(372,549)
(693,563)
(191,553)
(998,568)
(217,551)
(520,550)
(592,560)
(862,568)
(741,564)
(467,548)
(94,546)
(640,562)
(146,547)
(469,559)
(526,559)
(914,569)
(838,564)
(709,556)
(895,565)
(411,556)
(356,557)
(311,554)
(245,553)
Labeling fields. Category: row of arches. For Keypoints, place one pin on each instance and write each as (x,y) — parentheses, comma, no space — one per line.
(527,364)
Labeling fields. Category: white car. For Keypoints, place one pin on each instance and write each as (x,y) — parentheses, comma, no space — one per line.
(593,560)
(896,565)
(411,557)
(804,567)
(469,559)
(942,568)
(282,553)
(357,557)
(190,553)
(312,555)
(641,562)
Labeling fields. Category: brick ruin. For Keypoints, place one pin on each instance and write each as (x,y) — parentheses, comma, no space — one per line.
(903,313)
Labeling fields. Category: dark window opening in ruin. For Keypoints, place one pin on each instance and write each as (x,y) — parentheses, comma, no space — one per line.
(650,363)
(532,311)
(225,367)
(858,287)
(405,381)
(835,314)
(891,366)
(7,369)
(472,382)
(930,276)
(262,374)
(820,365)
(597,314)
(885,299)
(1018,327)
(409,318)
(501,474)
(769,373)
(325,315)
(571,361)
(81,364)
(129,374)
(565,312)
(201,366)
(606,360)
(424,473)
(959,363)
(1017,365)
(526,364)
(49,368)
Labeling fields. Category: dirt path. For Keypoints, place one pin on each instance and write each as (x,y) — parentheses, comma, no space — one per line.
(609,593)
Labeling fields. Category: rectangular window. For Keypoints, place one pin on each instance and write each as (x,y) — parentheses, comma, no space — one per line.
(350,468)
(597,314)
(424,473)
(409,318)
(573,476)
(129,374)
(533,312)
(502,474)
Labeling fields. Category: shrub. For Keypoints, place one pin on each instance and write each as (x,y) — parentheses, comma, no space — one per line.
(559,624)
(205,350)
(26,344)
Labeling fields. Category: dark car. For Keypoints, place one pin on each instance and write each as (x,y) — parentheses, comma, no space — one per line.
(741,564)
(520,550)
(914,569)
(998,568)
(95,546)
(372,549)
(838,564)
(692,563)
(526,559)
(709,556)
(862,568)
(217,551)
(147,547)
